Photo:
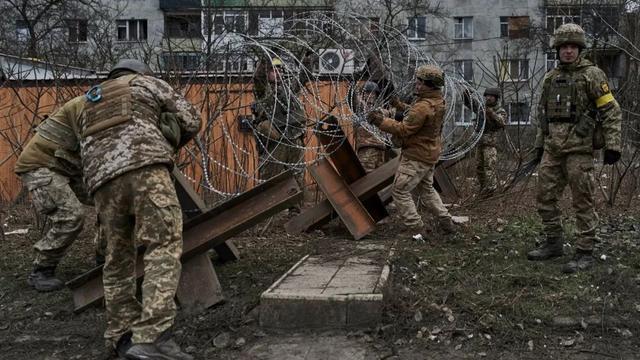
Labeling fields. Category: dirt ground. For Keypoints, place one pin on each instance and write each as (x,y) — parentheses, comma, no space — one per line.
(470,296)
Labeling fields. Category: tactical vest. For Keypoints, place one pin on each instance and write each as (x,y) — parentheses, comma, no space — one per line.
(115,107)
(562,102)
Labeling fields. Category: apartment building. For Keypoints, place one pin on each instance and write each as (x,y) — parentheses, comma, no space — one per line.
(502,43)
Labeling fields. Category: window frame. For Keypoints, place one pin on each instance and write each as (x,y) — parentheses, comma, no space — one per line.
(127,25)
(464,111)
(506,30)
(415,28)
(460,67)
(185,57)
(23,34)
(506,72)
(77,26)
(459,23)
(510,113)
(173,27)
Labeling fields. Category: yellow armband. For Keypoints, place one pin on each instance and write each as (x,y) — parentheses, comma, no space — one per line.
(604,100)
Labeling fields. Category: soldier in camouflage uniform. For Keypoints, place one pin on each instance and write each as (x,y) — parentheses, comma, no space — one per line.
(487,152)
(49,166)
(132,126)
(280,122)
(420,136)
(573,96)
(370,149)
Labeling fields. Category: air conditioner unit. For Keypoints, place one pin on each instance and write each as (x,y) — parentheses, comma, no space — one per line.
(336,61)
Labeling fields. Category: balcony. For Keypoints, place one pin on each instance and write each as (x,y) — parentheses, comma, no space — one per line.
(169,5)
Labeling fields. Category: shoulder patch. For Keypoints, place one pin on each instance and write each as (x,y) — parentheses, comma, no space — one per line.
(604,86)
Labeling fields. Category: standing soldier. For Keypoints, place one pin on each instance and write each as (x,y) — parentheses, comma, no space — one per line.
(370,149)
(281,122)
(49,166)
(573,95)
(420,136)
(132,126)
(487,156)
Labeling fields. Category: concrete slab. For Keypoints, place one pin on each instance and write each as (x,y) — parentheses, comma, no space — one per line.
(336,291)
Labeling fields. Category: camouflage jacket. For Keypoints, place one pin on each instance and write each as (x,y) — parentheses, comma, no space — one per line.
(124,135)
(54,145)
(592,98)
(279,104)
(495,120)
(421,129)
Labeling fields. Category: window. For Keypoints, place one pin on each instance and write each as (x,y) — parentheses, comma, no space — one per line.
(514,27)
(232,63)
(366,28)
(464,68)
(229,21)
(463,28)
(187,26)
(518,113)
(270,23)
(132,30)
(552,60)
(557,16)
(463,115)
(22,30)
(181,61)
(77,30)
(514,70)
(417,29)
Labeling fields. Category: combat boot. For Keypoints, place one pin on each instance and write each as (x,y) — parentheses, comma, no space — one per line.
(146,351)
(43,279)
(123,345)
(446,226)
(169,347)
(582,260)
(552,248)
(409,231)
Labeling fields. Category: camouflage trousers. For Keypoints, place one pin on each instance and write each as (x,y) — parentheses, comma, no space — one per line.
(279,156)
(56,197)
(371,157)
(554,174)
(140,207)
(487,157)
(410,175)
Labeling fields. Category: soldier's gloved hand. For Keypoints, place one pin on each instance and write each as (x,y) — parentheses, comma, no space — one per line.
(375,118)
(611,157)
(398,116)
(539,153)
(395,101)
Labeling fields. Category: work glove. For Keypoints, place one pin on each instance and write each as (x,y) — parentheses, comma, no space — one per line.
(539,153)
(395,102)
(375,118)
(611,157)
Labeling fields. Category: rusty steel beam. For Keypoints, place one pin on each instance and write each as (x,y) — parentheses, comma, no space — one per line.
(199,287)
(346,161)
(365,187)
(207,230)
(353,214)
(442,181)
(193,205)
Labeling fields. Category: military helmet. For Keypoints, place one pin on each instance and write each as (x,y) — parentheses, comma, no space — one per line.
(493,92)
(370,87)
(569,34)
(136,66)
(431,73)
